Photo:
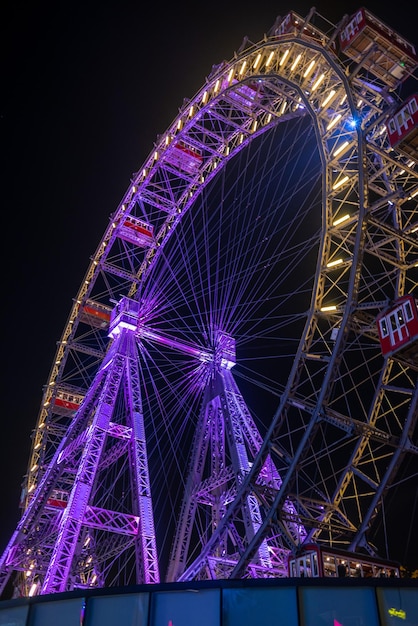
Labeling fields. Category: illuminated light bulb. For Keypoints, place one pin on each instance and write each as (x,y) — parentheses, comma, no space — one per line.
(243,66)
(270,58)
(309,69)
(334,263)
(295,63)
(284,57)
(340,148)
(342,219)
(328,98)
(318,82)
(257,61)
(33,589)
(331,307)
(334,121)
(340,182)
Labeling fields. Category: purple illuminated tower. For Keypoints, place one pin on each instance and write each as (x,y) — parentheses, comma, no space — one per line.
(219,394)
(80,528)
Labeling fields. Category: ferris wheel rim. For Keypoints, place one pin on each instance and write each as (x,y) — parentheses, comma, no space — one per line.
(185,121)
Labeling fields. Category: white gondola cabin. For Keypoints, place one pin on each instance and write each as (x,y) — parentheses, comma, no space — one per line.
(316,561)
(379,49)
(402,128)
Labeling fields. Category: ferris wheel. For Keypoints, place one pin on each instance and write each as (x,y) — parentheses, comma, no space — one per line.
(220,394)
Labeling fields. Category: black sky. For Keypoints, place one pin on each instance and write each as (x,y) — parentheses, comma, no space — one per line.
(86,88)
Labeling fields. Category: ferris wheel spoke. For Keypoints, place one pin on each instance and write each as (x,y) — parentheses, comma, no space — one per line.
(221,390)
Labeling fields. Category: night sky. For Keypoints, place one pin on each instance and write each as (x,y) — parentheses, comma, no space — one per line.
(86,89)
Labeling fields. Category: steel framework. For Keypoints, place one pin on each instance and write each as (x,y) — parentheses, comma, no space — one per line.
(339,419)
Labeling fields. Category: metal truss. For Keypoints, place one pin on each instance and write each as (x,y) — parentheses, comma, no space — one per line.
(346,417)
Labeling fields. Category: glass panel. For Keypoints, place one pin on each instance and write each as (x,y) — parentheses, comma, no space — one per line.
(315,568)
(13,615)
(186,608)
(62,612)
(259,607)
(127,609)
(330,569)
(398,606)
(408,311)
(338,607)
(383,327)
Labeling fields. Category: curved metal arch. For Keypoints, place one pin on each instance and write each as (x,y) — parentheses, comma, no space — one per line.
(209,99)
(157,192)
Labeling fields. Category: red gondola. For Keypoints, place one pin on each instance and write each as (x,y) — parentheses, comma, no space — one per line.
(294,24)
(67,402)
(380,50)
(185,157)
(136,231)
(402,127)
(398,325)
(95,314)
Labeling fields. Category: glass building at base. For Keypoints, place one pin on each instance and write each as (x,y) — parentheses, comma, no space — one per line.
(270,602)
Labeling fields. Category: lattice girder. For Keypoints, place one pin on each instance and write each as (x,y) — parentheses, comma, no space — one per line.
(366,258)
